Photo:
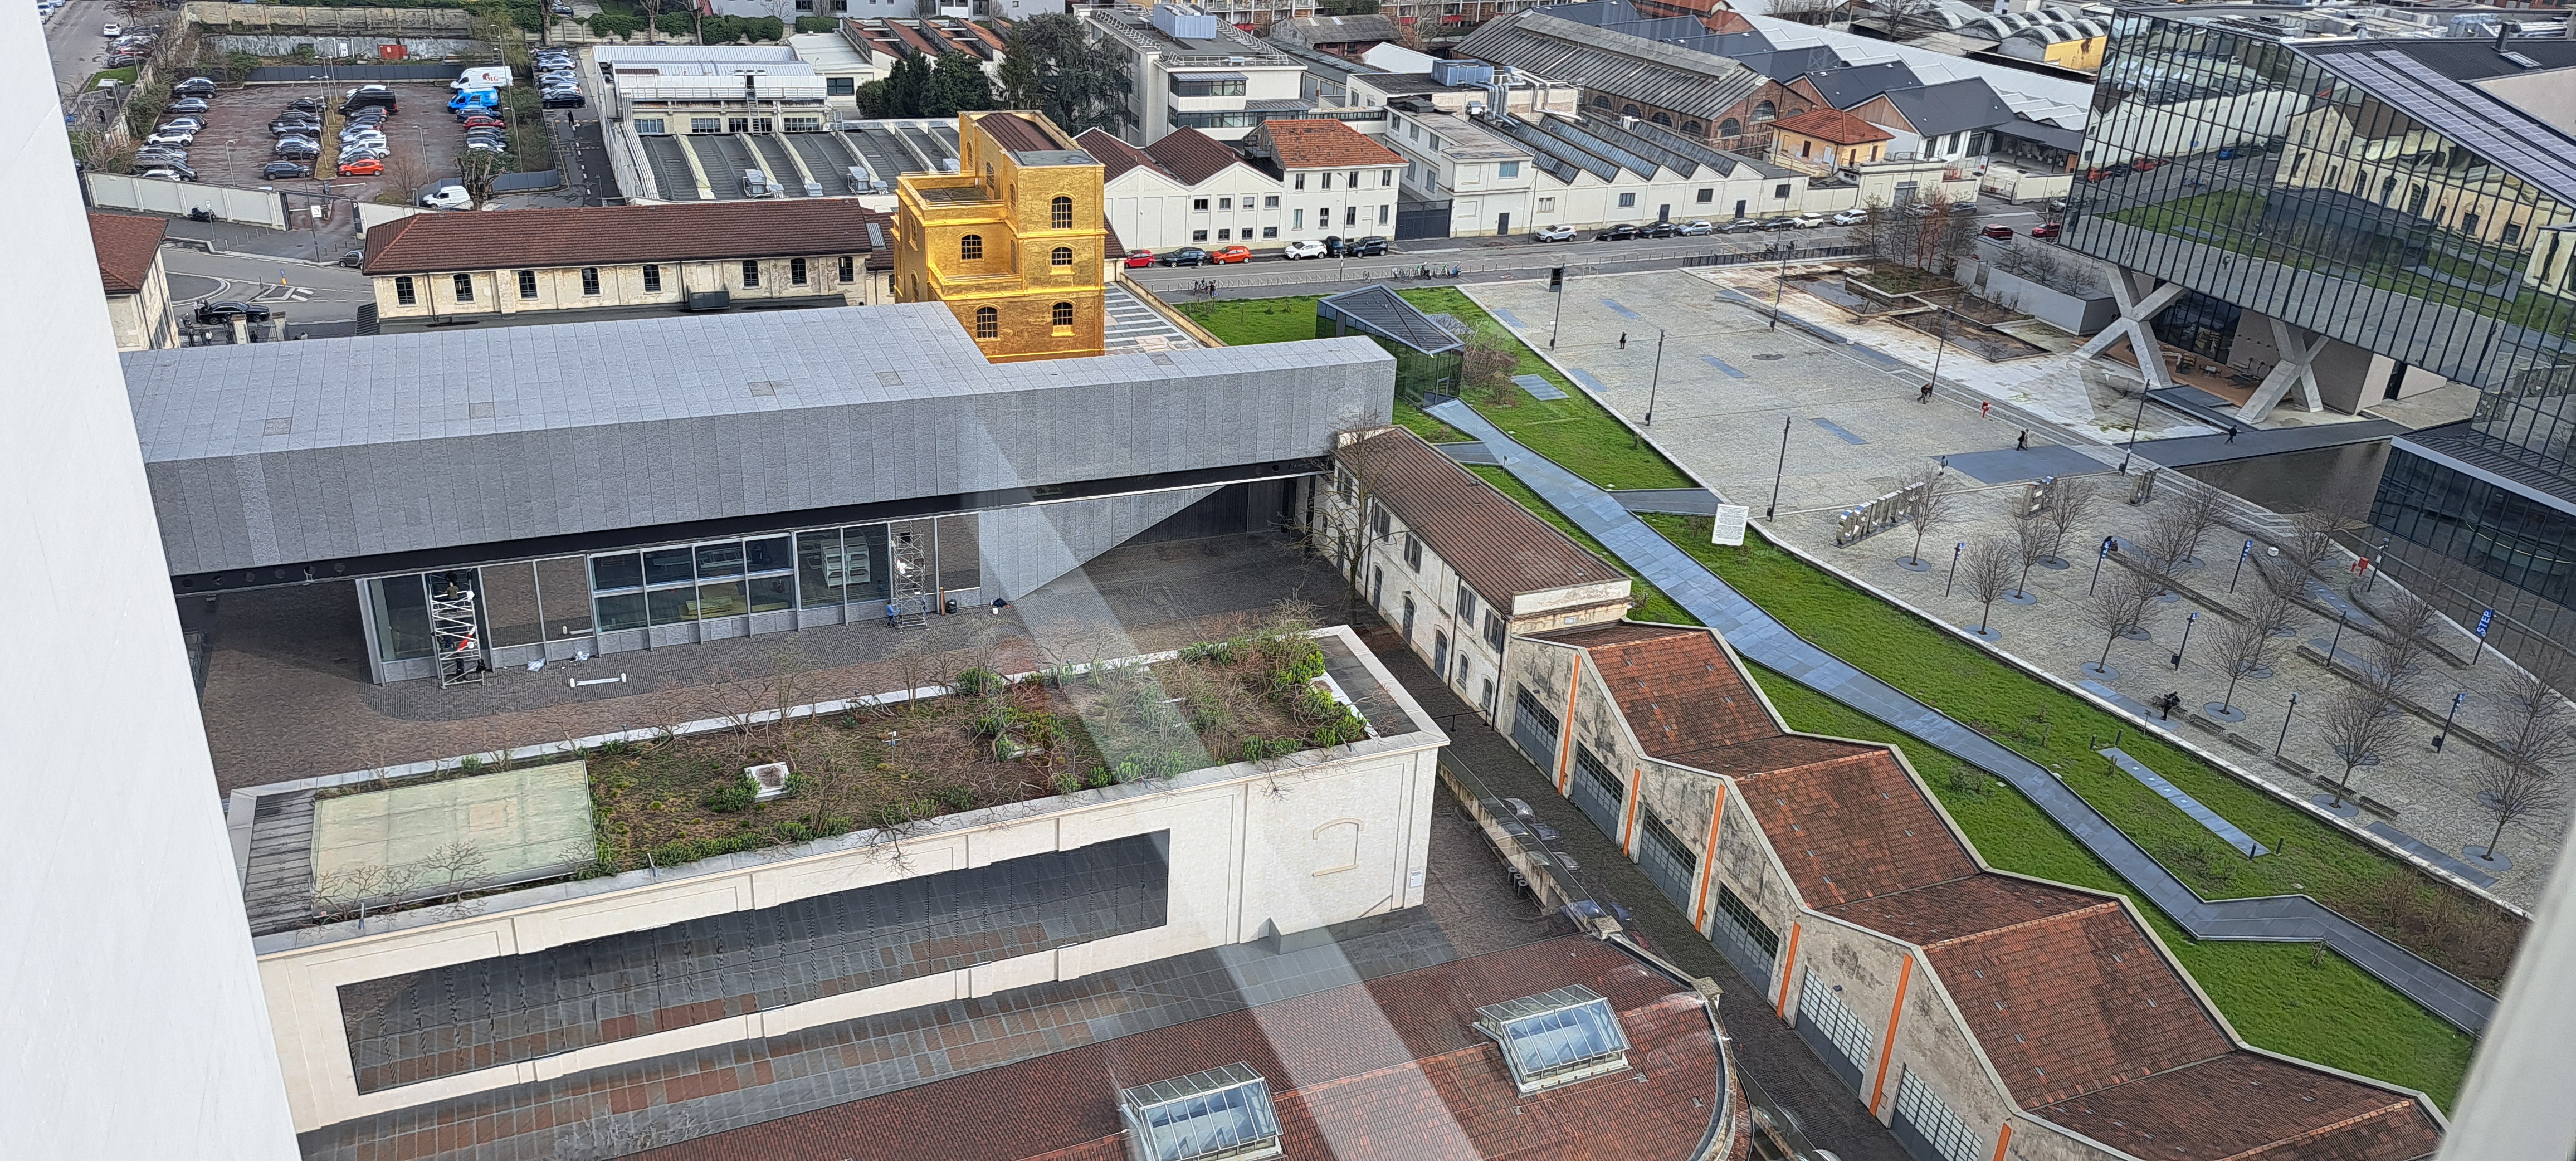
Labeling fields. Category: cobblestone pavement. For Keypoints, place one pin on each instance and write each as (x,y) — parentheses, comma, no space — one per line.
(1766,1049)
(1855,430)
(286,693)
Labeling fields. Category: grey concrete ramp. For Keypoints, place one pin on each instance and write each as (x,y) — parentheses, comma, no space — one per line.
(1755,634)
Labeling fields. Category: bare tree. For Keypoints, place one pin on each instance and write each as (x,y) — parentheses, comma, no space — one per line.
(2169,540)
(2276,611)
(2070,501)
(2196,510)
(1926,242)
(2358,722)
(2512,790)
(2532,714)
(2034,540)
(1990,568)
(2399,657)
(2245,648)
(1931,506)
(2115,606)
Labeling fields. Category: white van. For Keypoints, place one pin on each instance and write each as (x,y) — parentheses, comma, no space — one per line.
(482,77)
(447,197)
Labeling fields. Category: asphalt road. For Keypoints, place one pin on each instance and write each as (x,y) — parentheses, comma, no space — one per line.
(72,39)
(307,293)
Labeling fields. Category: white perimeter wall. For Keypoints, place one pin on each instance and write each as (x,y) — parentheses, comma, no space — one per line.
(134,1024)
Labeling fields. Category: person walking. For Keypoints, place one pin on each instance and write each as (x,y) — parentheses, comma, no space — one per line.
(889,614)
(2022,444)
(1623,335)
(1924,396)
(1985,409)
(2231,433)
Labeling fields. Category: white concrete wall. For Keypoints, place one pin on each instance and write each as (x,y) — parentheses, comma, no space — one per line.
(1153,212)
(560,288)
(1349,837)
(133,1015)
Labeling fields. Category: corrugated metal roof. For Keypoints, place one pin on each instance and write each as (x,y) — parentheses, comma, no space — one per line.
(1667,76)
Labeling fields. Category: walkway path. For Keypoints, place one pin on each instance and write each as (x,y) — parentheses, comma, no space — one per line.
(2279,918)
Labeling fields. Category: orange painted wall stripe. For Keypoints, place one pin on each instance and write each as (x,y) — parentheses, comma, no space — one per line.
(1787,965)
(2002,1141)
(1708,860)
(1565,745)
(1887,1043)
(1636,788)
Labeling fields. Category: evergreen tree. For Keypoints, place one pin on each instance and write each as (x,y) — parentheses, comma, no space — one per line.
(957,85)
(1019,73)
(1080,83)
(909,82)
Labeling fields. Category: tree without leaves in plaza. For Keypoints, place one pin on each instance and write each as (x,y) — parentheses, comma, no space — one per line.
(1925,241)
(1872,234)
(2196,509)
(1081,82)
(2167,542)
(2511,790)
(1989,573)
(2116,605)
(2358,721)
(2245,648)
(2399,657)
(2276,611)
(2531,732)
(2070,501)
(2034,540)
(1931,505)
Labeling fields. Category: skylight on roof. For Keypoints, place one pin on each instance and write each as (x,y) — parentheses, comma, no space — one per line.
(1222,1114)
(1556,1038)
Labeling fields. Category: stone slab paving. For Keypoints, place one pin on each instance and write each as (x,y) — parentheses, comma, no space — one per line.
(1756,635)
(1538,387)
(2076,414)
(2235,835)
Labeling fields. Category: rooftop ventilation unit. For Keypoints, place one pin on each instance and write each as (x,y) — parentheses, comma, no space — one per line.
(1184,22)
(1556,1038)
(1462,72)
(1223,1114)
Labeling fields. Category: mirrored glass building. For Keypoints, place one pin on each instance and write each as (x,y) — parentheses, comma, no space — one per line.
(2335,210)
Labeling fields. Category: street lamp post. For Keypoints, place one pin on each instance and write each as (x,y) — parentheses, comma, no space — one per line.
(2247,551)
(1558,278)
(1781,290)
(1657,382)
(1773,512)
(2187,623)
(2447,719)
(2340,622)
(2284,739)
(1954,567)
(2103,554)
(1940,342)
(2134,424)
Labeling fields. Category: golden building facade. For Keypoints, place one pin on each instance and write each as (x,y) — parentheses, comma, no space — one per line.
(1013,242)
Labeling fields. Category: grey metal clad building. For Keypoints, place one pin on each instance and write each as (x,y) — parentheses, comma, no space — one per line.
(603,486)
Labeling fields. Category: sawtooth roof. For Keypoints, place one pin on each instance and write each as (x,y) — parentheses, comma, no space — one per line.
(1612,61)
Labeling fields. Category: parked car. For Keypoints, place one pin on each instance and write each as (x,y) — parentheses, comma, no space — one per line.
(112,31)
(186,105)
(447,197)
(230,309)
(1618,233)
(1368,247)
(296,150)
(354,259)
(1742,226)
(562,101)
(294,128)
(479,121)
(281,170)
(363,167)
(195,87)
(189,124)
(1999,233)
(305,105)
(1553,234)
(2044,230)
(1964,207)
(118,60)
(166,137)
(1696,229)
(1185,256)
(1659,230)
(1850,217)
(1231,255)
(168,171)
(1303,248)
(377,153)
(1137,258)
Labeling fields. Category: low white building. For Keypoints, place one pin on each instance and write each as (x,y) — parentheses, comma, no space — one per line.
(1458,568)
(1335,180)
(1598,171)
(1188,189)
(841,65)
(1188,70)
(1488,181)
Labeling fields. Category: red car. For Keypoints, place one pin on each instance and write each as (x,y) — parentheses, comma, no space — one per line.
(1998,233)
(2044,230)
(484,122)
(363,167)
(1231,254)
(1136,258)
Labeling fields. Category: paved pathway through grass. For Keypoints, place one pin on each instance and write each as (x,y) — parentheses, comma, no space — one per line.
(1755,634)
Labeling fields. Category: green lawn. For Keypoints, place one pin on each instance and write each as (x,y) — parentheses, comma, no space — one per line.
(123,76)
(1573,431)
(1652,604)
(2058,730)
(2285,997)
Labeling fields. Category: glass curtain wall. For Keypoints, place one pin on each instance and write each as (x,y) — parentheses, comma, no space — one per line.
(2232,164)
(692,582)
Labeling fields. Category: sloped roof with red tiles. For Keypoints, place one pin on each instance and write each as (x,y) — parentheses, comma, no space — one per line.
(1116,157)
(1192,156)
(1390,1068)
(617,235)
(1834,125)
(1687,703)
(1499,548)
(1323,144)
(126,245)
(1023,133)
(1854,827)
(2273,1110)
(2064,989)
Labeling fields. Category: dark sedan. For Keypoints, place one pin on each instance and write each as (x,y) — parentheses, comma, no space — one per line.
(1619,233)
(278,170)
(226,311)
(1185,256)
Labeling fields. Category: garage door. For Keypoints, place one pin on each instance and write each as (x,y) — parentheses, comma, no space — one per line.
(1598,791)
(1667,861)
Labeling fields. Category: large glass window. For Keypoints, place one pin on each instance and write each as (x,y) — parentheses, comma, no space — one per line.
(673,606)
(618,611)
(720,559)
(401,609)
(623,570)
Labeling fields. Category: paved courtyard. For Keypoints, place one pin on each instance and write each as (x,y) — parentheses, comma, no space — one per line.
(1855,430)
(287,695)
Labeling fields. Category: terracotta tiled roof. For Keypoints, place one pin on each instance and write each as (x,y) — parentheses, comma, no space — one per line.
(615,235)
(126,246)
(1854,827)
(1323,144)
(2273,1111)
(1391,1068)
(1192,156)
(1116,156)
(1496,545)
(1832,125)
(2065,990)
(1686,702)
(1021,132)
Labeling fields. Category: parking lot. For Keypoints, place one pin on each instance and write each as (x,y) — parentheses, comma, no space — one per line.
(235,141)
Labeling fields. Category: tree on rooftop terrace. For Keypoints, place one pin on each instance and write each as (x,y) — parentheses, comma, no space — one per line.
(1077,82)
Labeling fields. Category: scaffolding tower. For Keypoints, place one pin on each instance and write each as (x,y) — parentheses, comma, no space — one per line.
(911,599)
(452,632)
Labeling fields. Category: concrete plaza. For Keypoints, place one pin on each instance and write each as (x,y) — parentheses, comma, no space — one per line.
(1729,382)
